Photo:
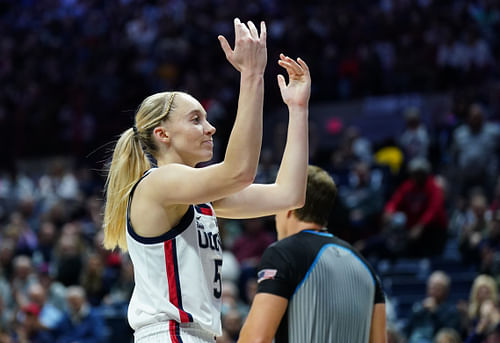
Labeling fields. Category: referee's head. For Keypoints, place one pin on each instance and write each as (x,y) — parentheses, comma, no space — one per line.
(320,196)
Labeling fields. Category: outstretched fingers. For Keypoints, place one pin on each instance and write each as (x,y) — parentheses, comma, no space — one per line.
(253,30)
(281,81)
(285,60)
(263,32)
(303,64)
(225,46)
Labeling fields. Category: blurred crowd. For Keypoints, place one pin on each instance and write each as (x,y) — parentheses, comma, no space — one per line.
(74,70)
(395,202)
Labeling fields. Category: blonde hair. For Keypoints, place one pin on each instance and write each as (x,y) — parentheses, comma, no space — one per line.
(129,162)
(474,303)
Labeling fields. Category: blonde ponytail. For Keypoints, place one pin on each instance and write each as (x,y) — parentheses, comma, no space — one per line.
(129,162)
(127,166)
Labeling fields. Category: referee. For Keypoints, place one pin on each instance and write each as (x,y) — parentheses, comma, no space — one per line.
(312,286)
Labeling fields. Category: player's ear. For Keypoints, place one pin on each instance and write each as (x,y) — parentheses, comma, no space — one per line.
(161,134)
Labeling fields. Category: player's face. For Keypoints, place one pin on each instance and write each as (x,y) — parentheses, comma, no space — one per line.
(189,131)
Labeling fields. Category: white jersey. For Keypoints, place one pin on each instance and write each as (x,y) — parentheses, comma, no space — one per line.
(178,274)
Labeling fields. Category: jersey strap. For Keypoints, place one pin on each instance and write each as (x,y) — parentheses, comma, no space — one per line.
(204,209)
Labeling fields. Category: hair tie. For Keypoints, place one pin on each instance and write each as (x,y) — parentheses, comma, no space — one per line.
(136,132)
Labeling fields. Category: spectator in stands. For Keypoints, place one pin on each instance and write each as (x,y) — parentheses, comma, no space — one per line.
(487,325)
(49,315)
(55,291)
(434,312)
(232,322)
(249,247)
(489,247)
(415,139)
(421,200)
(22,279)
(93,280)
(122,289)
(484,288)
(474,152)
(19,230)
(68,260)
(447,335)
(364,199)
(29,329)
(415,218)
(495,203)
(81,322)
(474,228)
(47,236)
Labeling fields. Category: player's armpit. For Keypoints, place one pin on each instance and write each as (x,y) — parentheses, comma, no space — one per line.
(378,326)
(264,318)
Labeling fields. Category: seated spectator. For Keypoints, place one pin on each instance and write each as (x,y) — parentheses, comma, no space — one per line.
(364,200)
(249,247)
(421,200)
(81,322)
(484,288)
(122,289)
(394,335)
(434,312)
(415,140)
(68,258)
(487,325)
(415,218)
(474,229)
(232,322)
(495,203)
(474,149)
(93,280)
(447,335)
(489,247)
(29,329)
(22,279)
(49,315)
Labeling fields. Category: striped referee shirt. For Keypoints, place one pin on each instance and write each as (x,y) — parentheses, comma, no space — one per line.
(331,288)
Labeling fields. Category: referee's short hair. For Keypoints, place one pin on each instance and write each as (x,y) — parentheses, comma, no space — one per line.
(320,196)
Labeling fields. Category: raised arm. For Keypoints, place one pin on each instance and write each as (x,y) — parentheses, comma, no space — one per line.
(180,184)
(288,191)
(245,141)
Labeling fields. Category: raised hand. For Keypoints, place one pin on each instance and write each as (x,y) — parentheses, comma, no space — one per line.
(250,51)
(298,89)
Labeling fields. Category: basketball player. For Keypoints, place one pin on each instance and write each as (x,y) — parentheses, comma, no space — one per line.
(312,286)
(165,216)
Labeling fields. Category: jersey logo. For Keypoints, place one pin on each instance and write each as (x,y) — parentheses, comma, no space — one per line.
(199,224)
(209,240)
(266,274)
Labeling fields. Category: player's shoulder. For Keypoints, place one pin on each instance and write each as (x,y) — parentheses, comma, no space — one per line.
(306,242)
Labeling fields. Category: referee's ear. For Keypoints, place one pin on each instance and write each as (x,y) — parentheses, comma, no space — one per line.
(289,214)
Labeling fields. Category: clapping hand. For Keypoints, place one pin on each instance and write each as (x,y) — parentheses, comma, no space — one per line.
(298,89)
(250,51)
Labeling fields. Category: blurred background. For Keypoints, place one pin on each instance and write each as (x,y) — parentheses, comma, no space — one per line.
(405,111)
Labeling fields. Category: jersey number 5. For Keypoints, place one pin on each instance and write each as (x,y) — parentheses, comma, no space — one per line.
(217,279)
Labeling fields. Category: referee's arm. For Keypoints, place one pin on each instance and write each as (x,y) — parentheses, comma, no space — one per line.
(264,318)
(378,325)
